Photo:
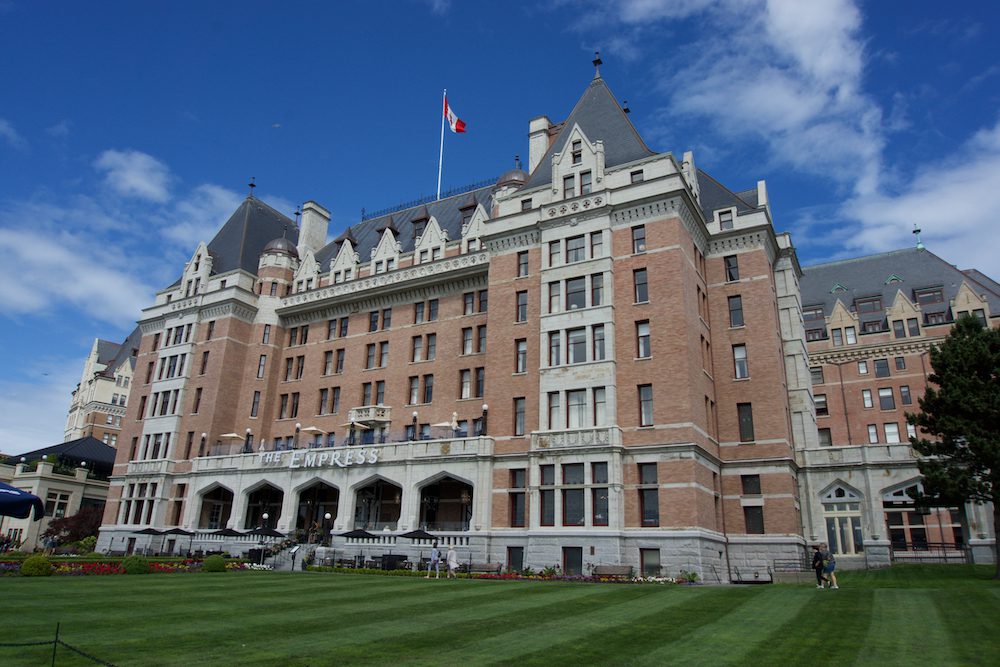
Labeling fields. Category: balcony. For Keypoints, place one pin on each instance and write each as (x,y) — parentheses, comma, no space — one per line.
(155,467)
(600,436)
(370,414)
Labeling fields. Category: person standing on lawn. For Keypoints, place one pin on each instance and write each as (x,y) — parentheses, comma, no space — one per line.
(817,566)
(451,560)
(829,565)
(435,561)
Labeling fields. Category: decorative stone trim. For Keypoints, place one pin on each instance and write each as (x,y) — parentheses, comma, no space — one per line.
(856,352)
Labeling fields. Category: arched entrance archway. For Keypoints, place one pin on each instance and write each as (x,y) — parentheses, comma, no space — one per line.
(378,506)
(216,507)
(446,505)
(265,500)
(315,502)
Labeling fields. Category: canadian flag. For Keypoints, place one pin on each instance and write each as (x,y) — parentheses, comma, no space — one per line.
(454,122)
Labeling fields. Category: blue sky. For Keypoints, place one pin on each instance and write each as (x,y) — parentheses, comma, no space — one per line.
(129,130)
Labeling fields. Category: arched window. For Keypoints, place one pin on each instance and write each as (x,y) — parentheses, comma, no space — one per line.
(842,513)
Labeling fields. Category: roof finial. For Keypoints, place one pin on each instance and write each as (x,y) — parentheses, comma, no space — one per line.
(916,232)
(251,185)
(625,106)
(597,64)
(298,213)
(517,162)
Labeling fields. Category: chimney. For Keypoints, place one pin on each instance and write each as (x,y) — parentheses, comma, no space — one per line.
(312,232)
(538,140)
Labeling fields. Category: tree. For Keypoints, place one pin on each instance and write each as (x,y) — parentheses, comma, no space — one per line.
(961,459)
(84,523)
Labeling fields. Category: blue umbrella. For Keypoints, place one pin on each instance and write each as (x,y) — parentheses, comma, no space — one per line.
(17,503)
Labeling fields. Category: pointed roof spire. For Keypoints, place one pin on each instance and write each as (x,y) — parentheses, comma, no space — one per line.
(916,232)
(625,106)
(298,215)
(597,64)
(251,185)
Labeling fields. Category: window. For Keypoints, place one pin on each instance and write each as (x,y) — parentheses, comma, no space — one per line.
(521,356)
(980,315)
(343,326)
(577,152)
(576,409)
(816,374)
(596,244)
(418,313)
(869,305)
(599,350)
(526,204)
(927,296)
(568,187)
(555,297)
(328,362)
(639,239)
(873,326)
(744,412)
(597,289)
(898,329)
(740,365)
(639,281)
(862,368)
(732,268)
(849,334)
(483,296)
(576,249)
(886,401)
(373,321)
(335,401)
(522,260)
(480,379)
(204,362)
(754,518)
(554,252)
(825,438)
(600,406)
(431,347)
(821,407)
(211,330)
(481,338)
(841,509)
(331,329)
(866,397)
(517,498)
(261,363)
(643,347)
(936,318)
(197,401)
(900,363)
(736,312)
(636,176)
(891,433)
(414,390)
(585,183)
(649,497)
(519,416)
(576,293)
(428,388)
(554,409)
(366,393)
(554,348)
(872,434)
(467,340)
(546,497)
(881,368)
(725,220)
(521,315)
(387,318)
(645,405)
(599,497)
(838,337)
(576,345)
(913,326)
(370,355)
(432,310)
(904,395)
(465,384)
(750,485)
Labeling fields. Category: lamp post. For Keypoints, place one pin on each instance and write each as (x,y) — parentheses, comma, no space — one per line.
(414,425)
(326,533)
(295,442)
(486,413)
(201,448)
(264,517)
(247,440)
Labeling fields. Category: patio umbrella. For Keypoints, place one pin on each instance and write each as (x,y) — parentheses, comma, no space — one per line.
(178,531)
(418,535)
(266,532)
(357,533)
(17,503)
(228,532)
(148,531)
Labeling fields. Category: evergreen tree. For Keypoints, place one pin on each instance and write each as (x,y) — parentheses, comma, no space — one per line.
(960,460)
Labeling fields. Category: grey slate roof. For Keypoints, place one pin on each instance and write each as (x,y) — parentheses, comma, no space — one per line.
(866,276)
(600,117)
(99,457)
(240,242)
(106,351)
(126,351)
(445,211)
(714,195)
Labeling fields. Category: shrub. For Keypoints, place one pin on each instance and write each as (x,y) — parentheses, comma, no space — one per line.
(135,565)
(93,554)
(87,544)
(36,566)
(214,564)
(14,555)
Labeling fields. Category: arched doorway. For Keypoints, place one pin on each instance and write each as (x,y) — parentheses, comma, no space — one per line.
(265,500)
(446,505)
(315,502)
(378,506)
(216,507)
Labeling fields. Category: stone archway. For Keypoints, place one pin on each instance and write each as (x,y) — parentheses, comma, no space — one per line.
(315,501)
(446,505)
(216,508)
(378,505)
(266,499)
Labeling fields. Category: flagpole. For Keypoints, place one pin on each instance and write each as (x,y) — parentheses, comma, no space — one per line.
(444,100)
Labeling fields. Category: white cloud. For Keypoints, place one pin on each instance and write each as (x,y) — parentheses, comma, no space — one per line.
(60,130)
(198,216)
(12,136)
(953,200)
(33,410)
(64,271)
(133,173)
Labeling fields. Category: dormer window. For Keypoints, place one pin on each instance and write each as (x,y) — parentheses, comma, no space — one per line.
(870,305)
(725,220)
(418,228)
(577,152)
(569,186)
(526,204)
(467,215)
(925,296)
(585,186)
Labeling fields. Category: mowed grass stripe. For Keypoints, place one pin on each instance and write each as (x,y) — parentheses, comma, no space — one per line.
(895,613)
(973,633)
(831,631)
(738,630)
(630,633)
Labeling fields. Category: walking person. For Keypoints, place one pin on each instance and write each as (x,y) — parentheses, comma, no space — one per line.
(829,565)
(451,560)
(817,566)
(435,561)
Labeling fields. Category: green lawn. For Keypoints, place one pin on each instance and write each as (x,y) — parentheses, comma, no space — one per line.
(926,615)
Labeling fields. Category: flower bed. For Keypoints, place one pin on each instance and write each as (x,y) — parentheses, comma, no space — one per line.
(79,568)
(547,575)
